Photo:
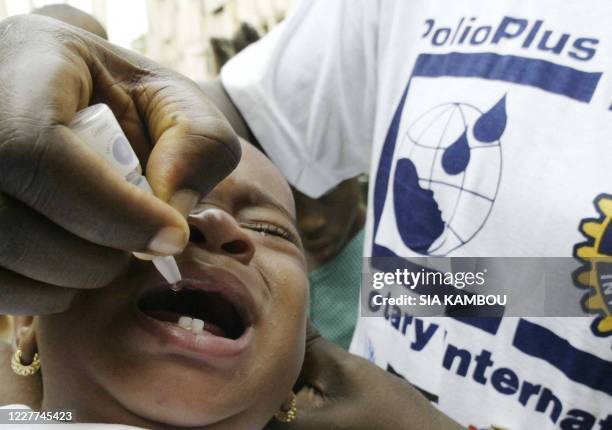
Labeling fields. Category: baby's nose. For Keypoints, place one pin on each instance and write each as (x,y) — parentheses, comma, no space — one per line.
(217,231)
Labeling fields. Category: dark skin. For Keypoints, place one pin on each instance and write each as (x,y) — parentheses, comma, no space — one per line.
(340,391)
(101,361)
(327,224)
(55,192)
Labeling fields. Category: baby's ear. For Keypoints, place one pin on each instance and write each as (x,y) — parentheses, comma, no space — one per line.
(24,337)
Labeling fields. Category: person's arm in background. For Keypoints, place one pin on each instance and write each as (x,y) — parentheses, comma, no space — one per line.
(306,95)
(67,220)
(338,390)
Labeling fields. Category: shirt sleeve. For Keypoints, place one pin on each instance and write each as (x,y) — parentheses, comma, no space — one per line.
(308,91)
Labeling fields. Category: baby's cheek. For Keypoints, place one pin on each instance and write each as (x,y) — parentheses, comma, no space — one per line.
(282,335)
(286,276)
(287,306)
(293,290)
(288,310)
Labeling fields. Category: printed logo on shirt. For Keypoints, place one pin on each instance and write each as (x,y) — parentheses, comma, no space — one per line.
(455,107)
(449,163)
(487,371)
(440,169)
(518,33)
(596,273)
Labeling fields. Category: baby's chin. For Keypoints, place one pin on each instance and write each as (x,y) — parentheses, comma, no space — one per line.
(182,418)
(164,390)
(199,409)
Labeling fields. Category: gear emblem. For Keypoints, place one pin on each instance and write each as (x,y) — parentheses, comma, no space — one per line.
(596,272)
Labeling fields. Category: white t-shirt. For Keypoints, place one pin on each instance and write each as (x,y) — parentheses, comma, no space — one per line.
(487,130)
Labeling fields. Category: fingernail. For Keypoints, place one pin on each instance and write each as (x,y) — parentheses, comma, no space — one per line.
(168,241)
(142,256)
(185,201)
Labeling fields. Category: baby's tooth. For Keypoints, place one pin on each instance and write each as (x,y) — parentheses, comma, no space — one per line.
(185,322)
(197,326)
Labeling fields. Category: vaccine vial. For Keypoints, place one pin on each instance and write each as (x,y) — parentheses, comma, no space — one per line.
(97,127)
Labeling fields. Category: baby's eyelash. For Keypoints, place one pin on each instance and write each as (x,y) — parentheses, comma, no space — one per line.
(273,230)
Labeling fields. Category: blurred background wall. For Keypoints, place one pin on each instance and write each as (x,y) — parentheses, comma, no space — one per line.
(193,37)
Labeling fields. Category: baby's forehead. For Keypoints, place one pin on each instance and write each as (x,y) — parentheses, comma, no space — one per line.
(255,170)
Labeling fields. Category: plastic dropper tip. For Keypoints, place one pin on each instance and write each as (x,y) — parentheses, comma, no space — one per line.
(168,269)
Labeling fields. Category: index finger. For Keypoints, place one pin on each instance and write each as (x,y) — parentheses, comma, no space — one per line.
(186,144)
(195,147)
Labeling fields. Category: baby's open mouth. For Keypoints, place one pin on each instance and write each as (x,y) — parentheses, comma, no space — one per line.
(195,310)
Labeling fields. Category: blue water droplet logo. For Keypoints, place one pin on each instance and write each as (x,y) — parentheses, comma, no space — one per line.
(491,124)
(457,156)
(122,151)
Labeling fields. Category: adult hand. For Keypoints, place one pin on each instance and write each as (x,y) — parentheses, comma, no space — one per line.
(67,219)
(338,390)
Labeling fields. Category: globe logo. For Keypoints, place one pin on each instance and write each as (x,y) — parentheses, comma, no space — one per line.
(447,175)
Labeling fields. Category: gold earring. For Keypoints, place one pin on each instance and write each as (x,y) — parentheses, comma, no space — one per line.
(290,415)
(23,370)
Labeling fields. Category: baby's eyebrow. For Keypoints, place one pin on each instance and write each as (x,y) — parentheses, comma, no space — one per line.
(257,196)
